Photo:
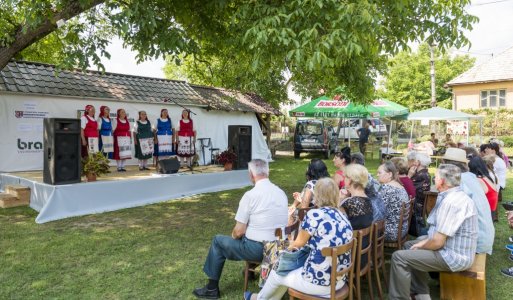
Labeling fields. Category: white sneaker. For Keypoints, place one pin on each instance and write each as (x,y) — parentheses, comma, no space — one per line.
(422,297)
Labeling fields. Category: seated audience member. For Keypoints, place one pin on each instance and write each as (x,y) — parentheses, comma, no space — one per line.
(489,161)
(386,149)
(470,185)
(448,141)
(410,161)
(425,147)
(322,227)
(354,201)
(421,179)
(482,149)
(315,171)
(449,246)
(371,190)
(501,151)
(402,171)
(478,167)
(433,139)
(499,167)
(340,161)
(261,210)
(394,195)
(471,152)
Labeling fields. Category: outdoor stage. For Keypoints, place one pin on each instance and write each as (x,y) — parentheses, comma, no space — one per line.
(117,190)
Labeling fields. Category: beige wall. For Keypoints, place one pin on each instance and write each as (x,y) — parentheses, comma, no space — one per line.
(467,96)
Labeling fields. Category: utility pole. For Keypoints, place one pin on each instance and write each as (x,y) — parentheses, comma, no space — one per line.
(433,88)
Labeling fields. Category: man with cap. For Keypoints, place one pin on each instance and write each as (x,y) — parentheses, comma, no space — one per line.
(470,185)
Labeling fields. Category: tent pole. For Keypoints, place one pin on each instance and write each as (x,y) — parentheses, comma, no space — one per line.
(390,135)
(349,137)
(411,132)
(338,131)
(410,143)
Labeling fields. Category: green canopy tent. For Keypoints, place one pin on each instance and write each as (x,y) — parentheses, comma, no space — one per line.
(338,107)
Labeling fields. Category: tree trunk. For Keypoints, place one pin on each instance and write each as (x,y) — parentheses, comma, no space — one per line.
(26,35)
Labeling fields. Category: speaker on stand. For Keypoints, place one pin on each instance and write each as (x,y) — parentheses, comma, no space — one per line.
(239,139)
(62,159)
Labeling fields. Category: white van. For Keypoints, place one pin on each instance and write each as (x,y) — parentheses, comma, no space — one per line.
(350,126)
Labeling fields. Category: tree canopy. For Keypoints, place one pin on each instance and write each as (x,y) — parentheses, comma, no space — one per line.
(244,44)
(408,80)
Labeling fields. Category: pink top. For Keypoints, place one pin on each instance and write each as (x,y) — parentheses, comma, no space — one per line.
(342,183)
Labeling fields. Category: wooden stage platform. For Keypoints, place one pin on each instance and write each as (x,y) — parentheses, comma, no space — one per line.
(132,172)
(119,190)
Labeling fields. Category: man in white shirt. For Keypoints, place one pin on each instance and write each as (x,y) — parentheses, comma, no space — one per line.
(261,210)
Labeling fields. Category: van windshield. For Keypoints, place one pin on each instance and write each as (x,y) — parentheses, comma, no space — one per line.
(310,129)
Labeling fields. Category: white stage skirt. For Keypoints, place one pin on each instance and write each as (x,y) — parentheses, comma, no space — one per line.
(55,202)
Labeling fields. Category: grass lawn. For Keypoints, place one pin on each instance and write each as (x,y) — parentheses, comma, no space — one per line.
(156,251)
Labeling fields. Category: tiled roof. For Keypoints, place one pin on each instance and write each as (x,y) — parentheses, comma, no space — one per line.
(499,68)
(38,78)
(224,99)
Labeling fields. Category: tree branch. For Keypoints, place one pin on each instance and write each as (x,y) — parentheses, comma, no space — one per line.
(25,35)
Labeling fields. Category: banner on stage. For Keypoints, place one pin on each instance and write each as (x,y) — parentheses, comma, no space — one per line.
(107,143)
(92,145)
(124,145)
(146,146)
(165,143)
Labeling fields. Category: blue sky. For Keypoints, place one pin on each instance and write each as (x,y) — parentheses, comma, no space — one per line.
(493,34)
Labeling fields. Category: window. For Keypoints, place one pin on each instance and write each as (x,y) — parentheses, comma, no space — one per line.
(484,98)
(493,98)
(502,97)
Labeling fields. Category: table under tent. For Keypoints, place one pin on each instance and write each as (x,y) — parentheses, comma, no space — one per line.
(442,114)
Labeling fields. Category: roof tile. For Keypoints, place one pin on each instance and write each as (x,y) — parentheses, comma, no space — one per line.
(28,77)
(499,68)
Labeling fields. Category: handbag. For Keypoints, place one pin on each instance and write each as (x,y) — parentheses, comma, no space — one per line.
(291,260)
(270,258)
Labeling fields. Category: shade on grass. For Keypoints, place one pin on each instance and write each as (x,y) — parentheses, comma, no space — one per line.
(153,252)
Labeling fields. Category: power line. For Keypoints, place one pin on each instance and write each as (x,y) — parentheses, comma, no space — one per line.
(491,2)
(473,53)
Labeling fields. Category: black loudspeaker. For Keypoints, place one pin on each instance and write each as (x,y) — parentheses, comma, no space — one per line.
(239,139)
(169,166)
(62,163)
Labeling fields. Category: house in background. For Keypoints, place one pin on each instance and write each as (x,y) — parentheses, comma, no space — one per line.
(488,85)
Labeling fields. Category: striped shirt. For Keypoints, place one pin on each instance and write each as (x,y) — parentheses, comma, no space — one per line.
(485,228)
(455,216)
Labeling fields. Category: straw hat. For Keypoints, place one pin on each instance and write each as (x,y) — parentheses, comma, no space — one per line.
(455,154)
